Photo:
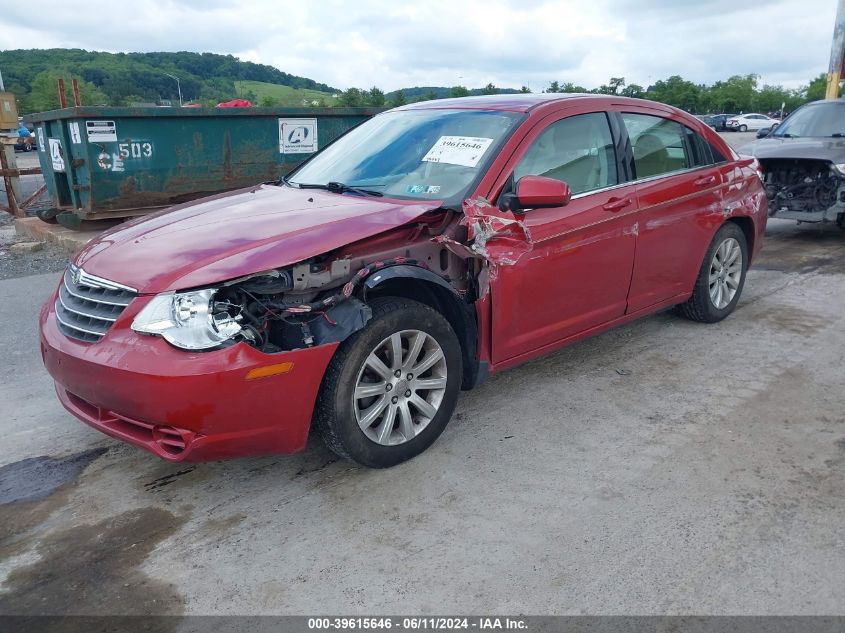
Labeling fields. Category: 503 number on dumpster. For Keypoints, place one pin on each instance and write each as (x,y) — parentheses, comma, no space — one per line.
(135,150)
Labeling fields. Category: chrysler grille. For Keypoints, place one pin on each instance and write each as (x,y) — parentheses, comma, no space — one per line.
(87,305)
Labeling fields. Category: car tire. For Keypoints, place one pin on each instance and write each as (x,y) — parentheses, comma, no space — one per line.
(743,128)
(719,276)
(47,215)
(401,428)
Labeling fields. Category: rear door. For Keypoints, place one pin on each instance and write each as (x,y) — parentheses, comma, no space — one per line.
(677,187)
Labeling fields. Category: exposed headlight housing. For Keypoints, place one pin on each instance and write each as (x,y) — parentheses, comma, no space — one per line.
(839,169)
(187,320)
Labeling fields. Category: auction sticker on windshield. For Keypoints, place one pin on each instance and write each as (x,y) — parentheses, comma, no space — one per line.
(458,150)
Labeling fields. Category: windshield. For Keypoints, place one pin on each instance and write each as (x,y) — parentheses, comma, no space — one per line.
(419,154)
(823,119)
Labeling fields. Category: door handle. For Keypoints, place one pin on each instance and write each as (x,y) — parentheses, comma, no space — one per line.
(704,181)
(616,204)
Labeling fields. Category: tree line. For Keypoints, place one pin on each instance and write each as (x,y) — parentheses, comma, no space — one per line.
(126,78)
(739,93)
(122,79)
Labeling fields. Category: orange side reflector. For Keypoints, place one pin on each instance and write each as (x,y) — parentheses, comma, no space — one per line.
(269,370)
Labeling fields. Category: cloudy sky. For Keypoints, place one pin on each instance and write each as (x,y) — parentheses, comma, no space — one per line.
(399,43)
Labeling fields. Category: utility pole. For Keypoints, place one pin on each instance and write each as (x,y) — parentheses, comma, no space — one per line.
(179,86)
(837,53)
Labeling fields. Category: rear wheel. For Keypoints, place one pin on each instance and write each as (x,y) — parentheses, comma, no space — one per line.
(391,388)
(721,277)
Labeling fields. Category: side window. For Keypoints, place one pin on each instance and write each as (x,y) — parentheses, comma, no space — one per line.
(658,145)
(718,157)
(701,151)
(577,150)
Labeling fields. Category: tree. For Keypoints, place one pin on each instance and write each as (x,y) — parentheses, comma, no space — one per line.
(571,87)
(736,94)
(459,91)
(525,90)
(633,90)
(44,93)
(268,101)
(351,98)
(375,98)
(678,92)
(399,99)
(770,99)
(489,89)
(817,88)
(428,96)
(554,87)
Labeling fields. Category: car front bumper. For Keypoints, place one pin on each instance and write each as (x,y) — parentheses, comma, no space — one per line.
(184,406)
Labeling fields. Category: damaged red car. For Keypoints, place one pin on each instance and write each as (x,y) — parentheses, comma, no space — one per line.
(430,247)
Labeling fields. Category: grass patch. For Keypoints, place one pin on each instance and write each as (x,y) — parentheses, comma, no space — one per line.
(283,95)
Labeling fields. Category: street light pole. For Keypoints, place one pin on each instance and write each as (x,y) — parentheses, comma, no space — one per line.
(178,87)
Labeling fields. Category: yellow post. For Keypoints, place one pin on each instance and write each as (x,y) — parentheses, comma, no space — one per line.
(837,53)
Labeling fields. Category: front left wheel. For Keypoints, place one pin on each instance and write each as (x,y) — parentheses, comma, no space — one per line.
(391,387)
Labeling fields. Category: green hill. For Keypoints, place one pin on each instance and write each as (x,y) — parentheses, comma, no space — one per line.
(124,78)
(263,93)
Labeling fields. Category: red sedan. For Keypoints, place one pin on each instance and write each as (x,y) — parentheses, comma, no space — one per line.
(431,246)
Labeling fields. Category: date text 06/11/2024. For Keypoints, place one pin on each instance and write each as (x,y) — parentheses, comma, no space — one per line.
(416,623)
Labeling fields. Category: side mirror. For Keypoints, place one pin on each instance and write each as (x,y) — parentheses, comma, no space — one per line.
(534,192)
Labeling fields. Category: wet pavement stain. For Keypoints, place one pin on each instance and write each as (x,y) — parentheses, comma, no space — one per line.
(36,478)
(94,569)
(803,249)
(31,490)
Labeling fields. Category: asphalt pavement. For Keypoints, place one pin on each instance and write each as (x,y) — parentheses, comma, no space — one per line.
(664,467)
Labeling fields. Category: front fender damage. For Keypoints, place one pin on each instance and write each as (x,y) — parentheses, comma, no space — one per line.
(495,237)
(322,301)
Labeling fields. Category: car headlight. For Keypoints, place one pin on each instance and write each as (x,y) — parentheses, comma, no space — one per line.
(187,320)
(839,169)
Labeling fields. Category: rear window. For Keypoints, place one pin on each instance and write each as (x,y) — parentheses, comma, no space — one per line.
(658,144)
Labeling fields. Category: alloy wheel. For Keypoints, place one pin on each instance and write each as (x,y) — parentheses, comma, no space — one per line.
(400,387)
(725,273)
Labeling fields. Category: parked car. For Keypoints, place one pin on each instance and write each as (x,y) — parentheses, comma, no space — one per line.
(752,121)
(431,246)
(720,121)
(803,163)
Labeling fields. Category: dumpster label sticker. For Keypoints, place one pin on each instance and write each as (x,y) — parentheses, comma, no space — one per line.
(41,139)
(56,155)
(297,136)
(458,150)
(74,133)
(101,131)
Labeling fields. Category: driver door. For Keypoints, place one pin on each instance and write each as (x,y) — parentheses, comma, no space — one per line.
(577,275)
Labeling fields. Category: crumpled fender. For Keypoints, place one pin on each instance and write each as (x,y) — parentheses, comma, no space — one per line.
(495,236)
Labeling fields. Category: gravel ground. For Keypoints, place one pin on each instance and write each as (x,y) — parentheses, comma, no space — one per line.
(48,260)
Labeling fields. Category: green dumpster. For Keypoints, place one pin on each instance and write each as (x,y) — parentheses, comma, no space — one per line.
(104,162)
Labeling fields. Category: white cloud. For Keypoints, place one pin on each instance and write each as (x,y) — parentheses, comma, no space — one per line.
(399,43)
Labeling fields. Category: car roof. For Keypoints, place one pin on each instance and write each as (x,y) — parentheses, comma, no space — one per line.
(509,102)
